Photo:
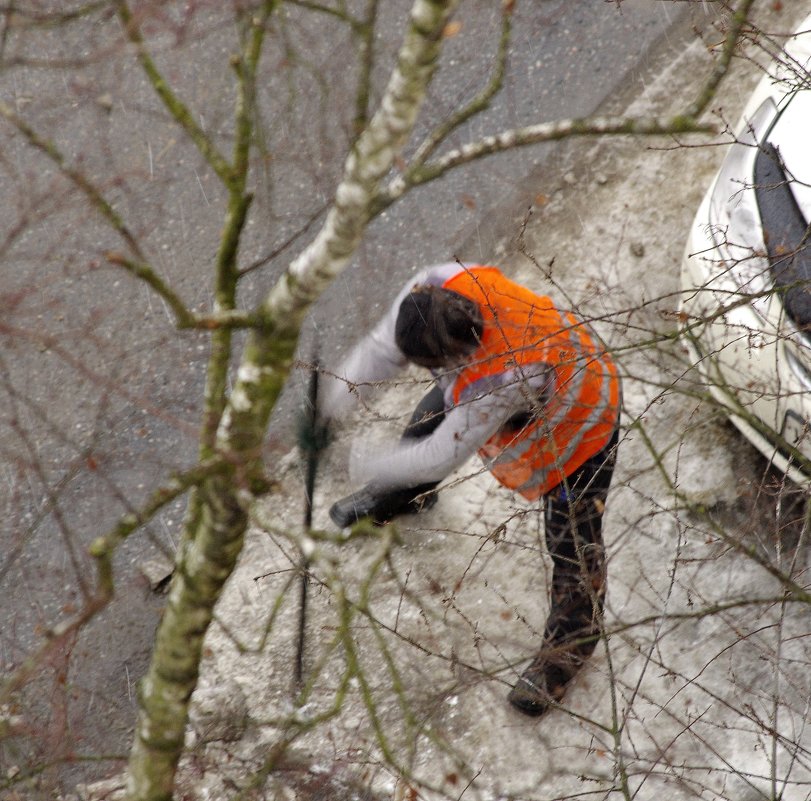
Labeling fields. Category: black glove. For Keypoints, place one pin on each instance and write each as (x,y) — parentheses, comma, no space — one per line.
(381,506)
(354,507)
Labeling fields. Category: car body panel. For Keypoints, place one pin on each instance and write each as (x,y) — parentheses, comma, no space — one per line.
(749,354)
(792,138)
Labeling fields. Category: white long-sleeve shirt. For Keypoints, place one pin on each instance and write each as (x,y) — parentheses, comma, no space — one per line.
(466,426)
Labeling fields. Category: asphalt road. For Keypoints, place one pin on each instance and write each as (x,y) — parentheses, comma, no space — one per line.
(100,397)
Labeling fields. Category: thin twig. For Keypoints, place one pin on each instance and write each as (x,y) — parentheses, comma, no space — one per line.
(179,111)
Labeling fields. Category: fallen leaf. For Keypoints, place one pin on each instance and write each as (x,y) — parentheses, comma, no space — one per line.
(452,28)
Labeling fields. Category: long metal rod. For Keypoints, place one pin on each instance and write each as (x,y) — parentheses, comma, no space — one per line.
(311,442)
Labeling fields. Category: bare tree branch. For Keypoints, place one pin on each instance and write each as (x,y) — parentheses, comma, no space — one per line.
(175,106)
(721,67)
(477,104)
(79,179)
(533,135)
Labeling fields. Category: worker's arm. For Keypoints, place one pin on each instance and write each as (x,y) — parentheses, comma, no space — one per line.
(465,429)
(376,357)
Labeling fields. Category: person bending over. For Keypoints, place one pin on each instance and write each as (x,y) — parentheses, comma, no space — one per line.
(532,390)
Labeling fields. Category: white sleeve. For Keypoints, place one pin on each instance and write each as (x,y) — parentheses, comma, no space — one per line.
(408,463)
(376,357)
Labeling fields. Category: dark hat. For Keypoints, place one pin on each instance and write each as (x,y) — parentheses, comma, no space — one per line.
(436,324)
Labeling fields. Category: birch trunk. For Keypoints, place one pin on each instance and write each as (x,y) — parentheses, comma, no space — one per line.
(216,524)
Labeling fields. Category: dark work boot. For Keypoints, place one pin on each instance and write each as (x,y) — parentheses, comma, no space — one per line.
(544,682)
(379,507)
(570,638)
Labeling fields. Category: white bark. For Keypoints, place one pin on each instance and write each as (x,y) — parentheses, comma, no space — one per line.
(214,534)
(366,167)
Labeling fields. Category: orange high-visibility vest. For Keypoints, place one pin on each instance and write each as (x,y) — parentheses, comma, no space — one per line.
(522,329)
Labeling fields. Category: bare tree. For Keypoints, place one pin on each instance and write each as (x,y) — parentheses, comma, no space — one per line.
(92,205)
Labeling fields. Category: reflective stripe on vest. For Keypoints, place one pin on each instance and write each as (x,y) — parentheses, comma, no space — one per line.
(524,335)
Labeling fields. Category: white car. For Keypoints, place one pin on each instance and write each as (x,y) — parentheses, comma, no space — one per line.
(746,274)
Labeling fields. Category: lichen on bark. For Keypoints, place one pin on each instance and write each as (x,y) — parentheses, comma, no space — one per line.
(218,513)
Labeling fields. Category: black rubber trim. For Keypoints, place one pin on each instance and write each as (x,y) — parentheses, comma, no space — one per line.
(786,234)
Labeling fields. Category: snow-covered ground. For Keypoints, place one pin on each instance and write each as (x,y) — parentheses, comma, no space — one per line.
(687,697)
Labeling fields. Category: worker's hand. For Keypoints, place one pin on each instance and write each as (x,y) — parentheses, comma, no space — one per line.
(354,507)
(382,505)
